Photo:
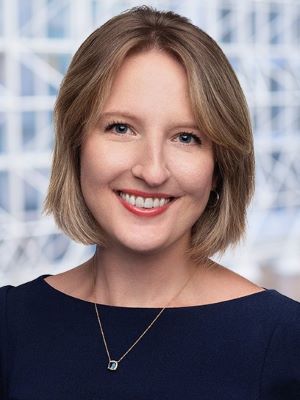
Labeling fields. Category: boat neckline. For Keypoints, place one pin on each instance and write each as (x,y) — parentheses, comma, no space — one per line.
(191,307)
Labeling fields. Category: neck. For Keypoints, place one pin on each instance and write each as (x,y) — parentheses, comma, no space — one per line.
(132,280)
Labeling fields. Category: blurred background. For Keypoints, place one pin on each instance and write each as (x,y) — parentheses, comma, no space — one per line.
(262,42)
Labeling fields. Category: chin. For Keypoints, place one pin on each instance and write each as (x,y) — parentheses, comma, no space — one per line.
(144,247)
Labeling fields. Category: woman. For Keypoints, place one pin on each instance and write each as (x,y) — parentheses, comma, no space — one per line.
(154,164)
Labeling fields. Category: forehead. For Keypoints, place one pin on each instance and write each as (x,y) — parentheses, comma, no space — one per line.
(153,83)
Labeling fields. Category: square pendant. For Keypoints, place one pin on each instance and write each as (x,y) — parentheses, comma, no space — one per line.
(112,365)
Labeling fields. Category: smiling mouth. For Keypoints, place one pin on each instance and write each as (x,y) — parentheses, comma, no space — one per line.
(144,202)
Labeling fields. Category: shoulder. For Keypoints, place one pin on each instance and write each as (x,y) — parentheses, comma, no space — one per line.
(17,301)
(280,377)
(267,306)
(280,309)
(277,317)
(16,305)
(21,307)
(10,292)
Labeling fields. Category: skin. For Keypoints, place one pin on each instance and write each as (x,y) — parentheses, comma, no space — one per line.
(151,150)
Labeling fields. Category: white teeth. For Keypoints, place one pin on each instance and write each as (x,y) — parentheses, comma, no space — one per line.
(139,202)
(148,203)
(142,202)
(131,200)
(156,203)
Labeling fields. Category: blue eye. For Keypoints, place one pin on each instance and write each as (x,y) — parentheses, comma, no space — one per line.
(186,136)
(117,127)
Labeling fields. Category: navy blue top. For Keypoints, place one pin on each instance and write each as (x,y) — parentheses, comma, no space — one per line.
(242,349)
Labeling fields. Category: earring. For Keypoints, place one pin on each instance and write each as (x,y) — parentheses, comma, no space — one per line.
(217,198)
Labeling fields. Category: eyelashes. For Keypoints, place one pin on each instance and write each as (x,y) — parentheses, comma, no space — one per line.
(113,125)
(121,128)
(192,135)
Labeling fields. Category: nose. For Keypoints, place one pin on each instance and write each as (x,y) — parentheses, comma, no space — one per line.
(150,164)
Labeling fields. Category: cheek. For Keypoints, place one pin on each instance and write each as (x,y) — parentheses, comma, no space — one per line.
(99,164)
(196,176)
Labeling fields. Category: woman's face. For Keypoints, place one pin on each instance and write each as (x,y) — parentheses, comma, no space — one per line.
(147,141)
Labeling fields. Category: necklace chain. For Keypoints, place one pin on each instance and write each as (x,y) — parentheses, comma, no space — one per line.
(113,364)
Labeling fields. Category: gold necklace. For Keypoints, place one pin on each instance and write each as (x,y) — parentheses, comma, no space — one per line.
(113,364)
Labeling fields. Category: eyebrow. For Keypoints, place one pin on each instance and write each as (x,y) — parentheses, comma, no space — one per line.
(124,114)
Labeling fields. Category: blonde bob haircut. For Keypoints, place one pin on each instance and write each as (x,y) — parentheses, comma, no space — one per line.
(219,107)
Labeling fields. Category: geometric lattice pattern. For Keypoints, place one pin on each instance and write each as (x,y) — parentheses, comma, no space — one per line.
(37,41)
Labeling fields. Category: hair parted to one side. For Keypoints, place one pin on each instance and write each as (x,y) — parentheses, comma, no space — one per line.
(219,107)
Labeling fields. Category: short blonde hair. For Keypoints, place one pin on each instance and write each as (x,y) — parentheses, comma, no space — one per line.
(219,107)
